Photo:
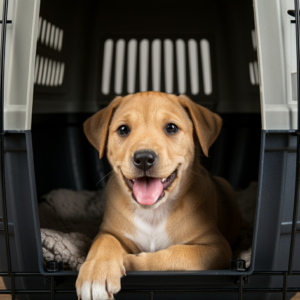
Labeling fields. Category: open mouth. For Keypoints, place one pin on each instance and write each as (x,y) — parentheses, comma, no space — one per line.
(148,190)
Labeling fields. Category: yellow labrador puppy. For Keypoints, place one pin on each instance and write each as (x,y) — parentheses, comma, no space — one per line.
(163,211)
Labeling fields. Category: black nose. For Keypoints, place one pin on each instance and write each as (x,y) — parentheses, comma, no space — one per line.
(144,160)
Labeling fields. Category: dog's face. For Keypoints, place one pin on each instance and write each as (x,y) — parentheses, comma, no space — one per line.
(150,142)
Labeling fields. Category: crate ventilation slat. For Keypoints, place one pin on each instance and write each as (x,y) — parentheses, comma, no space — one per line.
(49,72)
(50,35)
(156,61)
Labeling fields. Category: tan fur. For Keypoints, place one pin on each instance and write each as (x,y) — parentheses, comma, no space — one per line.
(203,220)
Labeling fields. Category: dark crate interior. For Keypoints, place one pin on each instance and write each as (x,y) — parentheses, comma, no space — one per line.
(154,45)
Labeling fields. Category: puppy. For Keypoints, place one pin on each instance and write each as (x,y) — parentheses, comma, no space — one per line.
(163,211)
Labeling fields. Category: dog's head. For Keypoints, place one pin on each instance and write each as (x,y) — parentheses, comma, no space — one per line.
(149,141)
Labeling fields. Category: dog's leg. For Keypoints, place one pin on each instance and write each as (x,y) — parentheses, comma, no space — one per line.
(182,257)
(99,276)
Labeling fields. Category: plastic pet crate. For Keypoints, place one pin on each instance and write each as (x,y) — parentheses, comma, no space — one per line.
(61,61)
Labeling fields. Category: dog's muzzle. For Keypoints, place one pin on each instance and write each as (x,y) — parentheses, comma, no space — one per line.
(148,190)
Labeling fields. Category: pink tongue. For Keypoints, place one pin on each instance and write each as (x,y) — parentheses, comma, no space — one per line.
(147,190)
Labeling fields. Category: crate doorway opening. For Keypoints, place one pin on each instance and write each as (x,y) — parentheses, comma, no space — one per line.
(81,66)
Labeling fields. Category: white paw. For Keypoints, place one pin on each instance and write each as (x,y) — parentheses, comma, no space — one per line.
(93,291)
(99,280)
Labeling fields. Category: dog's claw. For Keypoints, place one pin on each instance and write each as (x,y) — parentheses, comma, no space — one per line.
(79,297)
(123,272)
(111,295)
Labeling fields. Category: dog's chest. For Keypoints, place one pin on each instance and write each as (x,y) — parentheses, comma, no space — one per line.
(150,230)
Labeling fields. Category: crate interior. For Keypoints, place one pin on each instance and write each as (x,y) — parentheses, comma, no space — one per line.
(90,51)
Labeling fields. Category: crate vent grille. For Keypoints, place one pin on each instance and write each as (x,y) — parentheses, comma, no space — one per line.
(50,35)
(49,72)
(160,54)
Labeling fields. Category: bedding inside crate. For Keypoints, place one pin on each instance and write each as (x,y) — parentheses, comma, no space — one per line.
(71,219)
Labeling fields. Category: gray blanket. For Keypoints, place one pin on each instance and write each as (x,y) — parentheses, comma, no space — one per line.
(71,219)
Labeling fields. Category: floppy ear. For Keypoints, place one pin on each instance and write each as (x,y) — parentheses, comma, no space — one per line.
(206,123)
(96,127)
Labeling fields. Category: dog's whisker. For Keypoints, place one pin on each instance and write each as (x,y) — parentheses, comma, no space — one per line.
(103,177)
(195,173)
(109,179)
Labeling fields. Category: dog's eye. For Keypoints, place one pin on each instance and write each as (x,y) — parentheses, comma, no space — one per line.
(171,128)
(123,130)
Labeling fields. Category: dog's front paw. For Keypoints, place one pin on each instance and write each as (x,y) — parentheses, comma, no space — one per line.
(99,280)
